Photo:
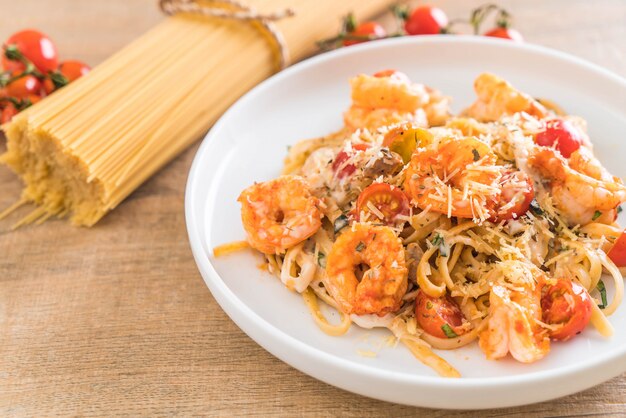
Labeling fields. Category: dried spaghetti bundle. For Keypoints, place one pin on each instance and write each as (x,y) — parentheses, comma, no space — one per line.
(82,150)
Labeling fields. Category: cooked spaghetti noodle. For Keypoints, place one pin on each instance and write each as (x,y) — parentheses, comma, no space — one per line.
(446,230)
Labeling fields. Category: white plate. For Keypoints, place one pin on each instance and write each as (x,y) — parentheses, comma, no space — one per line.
(249,143)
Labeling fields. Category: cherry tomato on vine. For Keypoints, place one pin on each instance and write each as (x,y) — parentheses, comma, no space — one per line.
(439,317)
(517,187)
(7,113)
(617,253)
(23,86)
(73,69)
(426,20)
(341,166)
(567,305)
(390,201)
(34,46)
(566,136)
(505,33)
(372,30)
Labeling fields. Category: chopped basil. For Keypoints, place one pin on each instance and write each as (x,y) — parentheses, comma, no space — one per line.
(321,260)
(448,331)
(602,291)
(438,241)
(535,208)
(596,215)
(360,246)
(476,154)
(619,209)
(340,223)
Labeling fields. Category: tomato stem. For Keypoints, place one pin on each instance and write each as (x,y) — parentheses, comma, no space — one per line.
(478,16)
(13,53)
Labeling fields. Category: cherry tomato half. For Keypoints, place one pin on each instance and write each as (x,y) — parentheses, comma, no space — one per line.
(36,47)
(405,138)
(517,187)
(617,253)
(73,69)
(505,33)
(439,317)
(389,200)
(371,30)
(566,136)
(567,305)
(341,166)
(426,20)
(7,113)
(23,86)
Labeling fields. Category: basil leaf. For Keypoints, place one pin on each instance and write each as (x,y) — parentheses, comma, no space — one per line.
(448,331)
(340,223)
(602,291)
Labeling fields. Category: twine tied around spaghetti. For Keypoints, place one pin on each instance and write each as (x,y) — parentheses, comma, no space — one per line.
(235,10)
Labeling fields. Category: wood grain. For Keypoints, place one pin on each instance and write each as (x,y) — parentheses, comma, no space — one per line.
(116,320)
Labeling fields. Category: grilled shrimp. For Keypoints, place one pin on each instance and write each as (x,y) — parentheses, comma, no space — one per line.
(581,189)
(497,97)
(380,287)
(458,178)
(512,325)
(382,101)
(279,214)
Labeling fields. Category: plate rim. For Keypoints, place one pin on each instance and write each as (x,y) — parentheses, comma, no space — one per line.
(224,296)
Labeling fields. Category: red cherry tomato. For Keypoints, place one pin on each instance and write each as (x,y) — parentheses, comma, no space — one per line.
(426,20)
(36,47)
(390,202)
(505,33)
(617,253)
(566,136)
(517,194)
(23,86)
(372,30)
(341,166)
(48,86)
(33,98)
(567,305)
(7,113)
(73,69)
(439,317)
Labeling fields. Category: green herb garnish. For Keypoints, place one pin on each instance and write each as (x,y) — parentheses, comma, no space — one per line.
(535,208)
(448,331)
(619,209)
(360,246)
(438,241)
(602,291)
(340,223)
(596,215)
(321,260)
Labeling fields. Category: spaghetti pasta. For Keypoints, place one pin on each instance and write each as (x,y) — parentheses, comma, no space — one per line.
(81,151)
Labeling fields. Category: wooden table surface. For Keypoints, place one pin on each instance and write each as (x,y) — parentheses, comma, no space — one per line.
(117,320)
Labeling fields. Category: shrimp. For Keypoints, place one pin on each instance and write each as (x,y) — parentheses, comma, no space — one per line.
(380,288)
(512,325)
(279,214)
(497,97)
(381,101)
(458,178)
(581,189)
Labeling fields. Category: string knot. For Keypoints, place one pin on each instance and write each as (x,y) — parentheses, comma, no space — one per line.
(235,10)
